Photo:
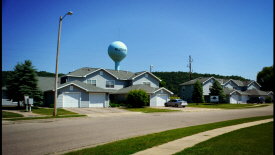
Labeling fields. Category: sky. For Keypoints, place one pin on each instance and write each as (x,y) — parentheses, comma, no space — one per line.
(225,37)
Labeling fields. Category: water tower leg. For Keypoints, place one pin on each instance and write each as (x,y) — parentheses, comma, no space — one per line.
(117,67)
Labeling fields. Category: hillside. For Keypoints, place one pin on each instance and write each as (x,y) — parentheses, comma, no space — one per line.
(173,79)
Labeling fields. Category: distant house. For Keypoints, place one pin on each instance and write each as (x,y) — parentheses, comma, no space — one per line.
(236,91)
(95,87)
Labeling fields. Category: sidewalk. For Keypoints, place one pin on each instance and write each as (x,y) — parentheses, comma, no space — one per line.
(189,141)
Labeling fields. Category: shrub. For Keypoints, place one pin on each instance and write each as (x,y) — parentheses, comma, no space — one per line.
(268,99)
(51,106)
(137,98)
(35,107)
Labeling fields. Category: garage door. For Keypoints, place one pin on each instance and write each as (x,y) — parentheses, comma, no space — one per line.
(161,99)
(97,100)
(234,98)
(71,100)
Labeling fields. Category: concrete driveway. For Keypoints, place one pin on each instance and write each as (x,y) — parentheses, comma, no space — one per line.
(101,112)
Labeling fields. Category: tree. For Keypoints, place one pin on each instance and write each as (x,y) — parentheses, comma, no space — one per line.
(266,79)
(197,94)
(137,98)
(23,82)
(217,90)
(162,83)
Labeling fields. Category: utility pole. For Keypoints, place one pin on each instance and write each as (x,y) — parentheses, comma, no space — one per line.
(190,61)
(151,68)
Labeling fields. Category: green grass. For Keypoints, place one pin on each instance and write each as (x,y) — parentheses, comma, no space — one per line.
(226,106)
(6,114)
(136,144)
(47,117)
(252,140)
(49,111)
(150,110)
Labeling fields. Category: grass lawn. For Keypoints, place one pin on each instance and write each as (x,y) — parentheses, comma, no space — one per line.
(49,111)
(136,144)
(150,110)
(226,106)
(10,115)
(252,140)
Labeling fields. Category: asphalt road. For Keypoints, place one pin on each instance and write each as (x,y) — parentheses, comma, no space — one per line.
(63,135)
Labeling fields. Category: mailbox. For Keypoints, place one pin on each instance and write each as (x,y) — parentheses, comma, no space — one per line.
(30,103)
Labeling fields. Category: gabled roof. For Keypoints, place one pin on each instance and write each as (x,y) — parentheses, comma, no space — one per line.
(255,92)
(84,86)
(202,80)
(269,92)
(162,88)
(46,83)
(118,74)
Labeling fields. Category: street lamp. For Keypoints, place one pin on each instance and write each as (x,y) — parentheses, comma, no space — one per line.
(151,68)
(57,56)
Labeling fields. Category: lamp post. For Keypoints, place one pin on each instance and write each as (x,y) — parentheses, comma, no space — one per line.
(57,56)
(151,68)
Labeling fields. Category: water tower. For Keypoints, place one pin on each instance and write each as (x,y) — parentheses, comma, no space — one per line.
(117,51)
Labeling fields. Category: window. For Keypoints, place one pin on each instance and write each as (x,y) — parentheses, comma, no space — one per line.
(110,84)
(101,72)
(183,97)
(192,87)
(161,91)
(146,75)
(147,83)
(92,82)
(71,87)
(183,88)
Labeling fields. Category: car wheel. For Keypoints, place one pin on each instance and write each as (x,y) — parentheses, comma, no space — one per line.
(165,105)
(176,105)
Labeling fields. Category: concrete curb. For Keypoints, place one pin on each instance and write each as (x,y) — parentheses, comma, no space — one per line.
(189,141)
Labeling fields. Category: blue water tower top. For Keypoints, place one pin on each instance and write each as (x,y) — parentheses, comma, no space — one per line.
(117,51)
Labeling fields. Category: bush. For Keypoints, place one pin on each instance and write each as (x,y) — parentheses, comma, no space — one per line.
(268,99)
(35,107)
(137,98)
(51,106)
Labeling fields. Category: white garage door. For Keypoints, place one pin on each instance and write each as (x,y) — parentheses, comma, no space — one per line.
(161,99)
(71,100)
(97,100)
(234,98)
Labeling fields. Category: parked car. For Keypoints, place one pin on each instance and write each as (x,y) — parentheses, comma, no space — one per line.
(176,103)
(255,100)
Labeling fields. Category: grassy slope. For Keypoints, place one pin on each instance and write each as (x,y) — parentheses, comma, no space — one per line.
(10,115)
(252,140)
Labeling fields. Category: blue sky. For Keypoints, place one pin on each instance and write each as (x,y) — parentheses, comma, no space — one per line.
(225,37)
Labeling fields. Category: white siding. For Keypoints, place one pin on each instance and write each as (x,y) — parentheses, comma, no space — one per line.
(142,78)
(154,98)
(205,87)
(253,85)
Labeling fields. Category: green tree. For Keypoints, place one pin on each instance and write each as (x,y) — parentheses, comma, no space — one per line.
(197,94)
(23,82)
(266,79)
(217,90)
(137,98)
(162,83)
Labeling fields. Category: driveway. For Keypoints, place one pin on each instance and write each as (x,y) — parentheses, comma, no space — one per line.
(101,112)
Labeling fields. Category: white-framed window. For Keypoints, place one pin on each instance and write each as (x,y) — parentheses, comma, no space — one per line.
(183,88)
(101,72)
(92,82)
(212,80)
(147,83)
(110,84)
(71,87)
(161,91)
(146,75)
